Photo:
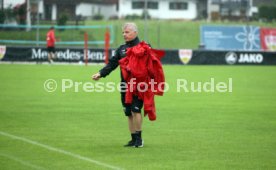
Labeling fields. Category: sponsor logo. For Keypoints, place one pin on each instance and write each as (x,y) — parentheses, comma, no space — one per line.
(123,52)
(232,58)
(270,41)
(68,54)
(185,55)
(2,51)
(251,58)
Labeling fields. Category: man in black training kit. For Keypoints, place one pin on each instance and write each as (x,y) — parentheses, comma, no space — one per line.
(133,110)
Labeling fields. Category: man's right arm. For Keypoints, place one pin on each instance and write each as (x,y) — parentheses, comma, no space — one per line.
(112,65)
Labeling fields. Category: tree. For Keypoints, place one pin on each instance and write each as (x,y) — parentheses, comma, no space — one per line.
(2,16)
(20,12)
(267,12)
(62,19)
(7,15)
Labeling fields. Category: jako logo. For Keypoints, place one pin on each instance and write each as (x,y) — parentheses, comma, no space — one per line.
(251,58)
(232,58)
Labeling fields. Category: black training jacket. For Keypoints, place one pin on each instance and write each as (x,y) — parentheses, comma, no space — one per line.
(119,53)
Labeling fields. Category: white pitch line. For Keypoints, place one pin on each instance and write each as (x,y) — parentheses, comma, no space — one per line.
(21,161)
(59,150)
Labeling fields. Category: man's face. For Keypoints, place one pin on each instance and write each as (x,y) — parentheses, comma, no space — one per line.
(129,34)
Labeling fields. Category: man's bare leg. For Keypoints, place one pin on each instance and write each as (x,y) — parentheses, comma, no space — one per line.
(131,127)
(138,121)
(50,57)
(131,124)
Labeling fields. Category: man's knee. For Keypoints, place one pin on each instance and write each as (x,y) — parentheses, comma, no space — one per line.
(134,113)
(127,111)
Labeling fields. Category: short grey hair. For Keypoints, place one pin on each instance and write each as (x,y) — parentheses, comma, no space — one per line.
(131,25)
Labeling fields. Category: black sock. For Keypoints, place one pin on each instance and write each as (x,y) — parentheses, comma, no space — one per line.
(139,134)
(133,136)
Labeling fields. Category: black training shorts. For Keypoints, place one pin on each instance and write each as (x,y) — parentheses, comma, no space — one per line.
(136,105)
(51,49)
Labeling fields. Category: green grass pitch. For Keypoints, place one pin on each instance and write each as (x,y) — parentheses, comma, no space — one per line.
(193,130)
